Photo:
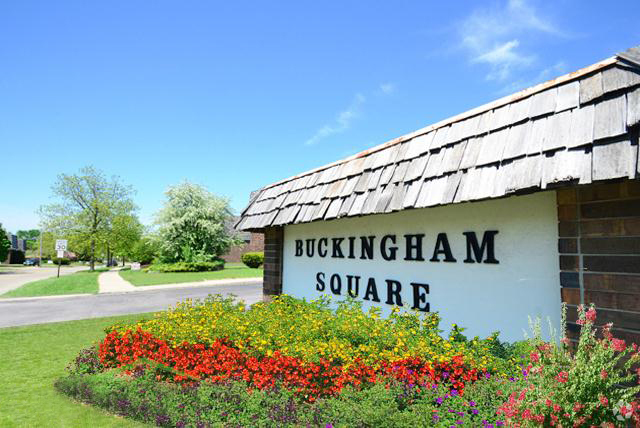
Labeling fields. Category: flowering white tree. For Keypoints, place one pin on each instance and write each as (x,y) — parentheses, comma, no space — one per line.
(192,224)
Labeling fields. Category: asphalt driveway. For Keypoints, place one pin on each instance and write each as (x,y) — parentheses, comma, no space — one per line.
(37,310)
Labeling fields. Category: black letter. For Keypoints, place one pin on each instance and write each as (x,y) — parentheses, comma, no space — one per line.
(442,241)
(393,293)
(371,289)
(411,247)
(321,252)
(337,251)
(385,251)
(478,250)
(349,289)
(298,247)
(310,247)
(352,247)
(320,283)
(336,289)
(366,244)
(420,297)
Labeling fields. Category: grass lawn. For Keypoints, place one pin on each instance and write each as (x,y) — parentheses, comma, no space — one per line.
(140,278)
(33,357)
(75,283)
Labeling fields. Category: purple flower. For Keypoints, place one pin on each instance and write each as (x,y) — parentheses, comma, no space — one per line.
(328,426)
(472,403)
(500,423)
(487,375)
(512,379)
(439,400)
(459,422)
(460,413)
(454,392)
(474,411)
(435,417)
(524,373)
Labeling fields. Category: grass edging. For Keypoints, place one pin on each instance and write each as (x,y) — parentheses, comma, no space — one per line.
(82,282)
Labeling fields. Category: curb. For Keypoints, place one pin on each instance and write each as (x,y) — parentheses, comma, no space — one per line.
(57,296)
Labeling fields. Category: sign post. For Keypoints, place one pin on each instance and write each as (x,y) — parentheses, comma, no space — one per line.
(61,247)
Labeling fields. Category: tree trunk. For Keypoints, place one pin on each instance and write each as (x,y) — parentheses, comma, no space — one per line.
(122,261)
(93,255)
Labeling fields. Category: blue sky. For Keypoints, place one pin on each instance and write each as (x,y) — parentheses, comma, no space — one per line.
(236,95)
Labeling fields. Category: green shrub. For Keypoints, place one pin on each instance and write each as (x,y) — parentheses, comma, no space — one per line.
(231,403)
(188,266)
(62,261)
(253,260)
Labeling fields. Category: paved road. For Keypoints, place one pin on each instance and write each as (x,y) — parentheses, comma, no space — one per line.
(17,277)
(15,312)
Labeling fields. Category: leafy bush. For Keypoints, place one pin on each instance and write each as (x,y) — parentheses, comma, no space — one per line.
(231,403)
(145,250)
(188,266)
(253,260)
(581,387)
(62,261)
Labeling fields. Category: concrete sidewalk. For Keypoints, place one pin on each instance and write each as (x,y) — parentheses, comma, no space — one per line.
(112,282)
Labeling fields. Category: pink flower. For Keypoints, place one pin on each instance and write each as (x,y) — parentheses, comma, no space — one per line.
(577,407)
(591,315)
(562,377)
(535,357)
(603,374)
(618,345)
(604,400)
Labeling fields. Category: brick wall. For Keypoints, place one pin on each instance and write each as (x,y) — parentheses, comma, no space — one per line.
(599,246)
(273,244)
(255,244)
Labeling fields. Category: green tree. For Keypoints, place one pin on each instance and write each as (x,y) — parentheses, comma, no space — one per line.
(146,249)
(88,204)
(125,231)
(5,244)
(192,224)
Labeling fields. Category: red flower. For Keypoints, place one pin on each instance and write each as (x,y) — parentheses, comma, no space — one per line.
(591,315)
(618,344)
(562,377)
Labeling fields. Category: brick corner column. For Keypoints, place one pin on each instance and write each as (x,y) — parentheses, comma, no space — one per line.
(273,245)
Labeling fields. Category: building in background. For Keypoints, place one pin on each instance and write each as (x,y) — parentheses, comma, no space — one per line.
(251,242)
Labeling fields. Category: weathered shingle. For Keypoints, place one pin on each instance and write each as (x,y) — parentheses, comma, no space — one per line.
(581,126)
(633,107)
(610,118)
(543,103)
(419,145)
(591,88)
(614,160)
(568,96)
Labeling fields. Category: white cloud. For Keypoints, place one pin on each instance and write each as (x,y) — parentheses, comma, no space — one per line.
(494,37)
(342,122)
(345,117)
(387,88)
(557,69)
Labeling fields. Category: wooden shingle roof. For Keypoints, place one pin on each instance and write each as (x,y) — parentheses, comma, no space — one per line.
(576,129)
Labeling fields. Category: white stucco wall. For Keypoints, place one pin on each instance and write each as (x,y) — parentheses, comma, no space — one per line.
(481,297)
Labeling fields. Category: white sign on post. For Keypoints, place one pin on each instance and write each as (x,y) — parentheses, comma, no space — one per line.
(60,254)
(61,245)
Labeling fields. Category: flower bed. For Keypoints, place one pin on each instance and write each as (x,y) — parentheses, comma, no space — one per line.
(299,363)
